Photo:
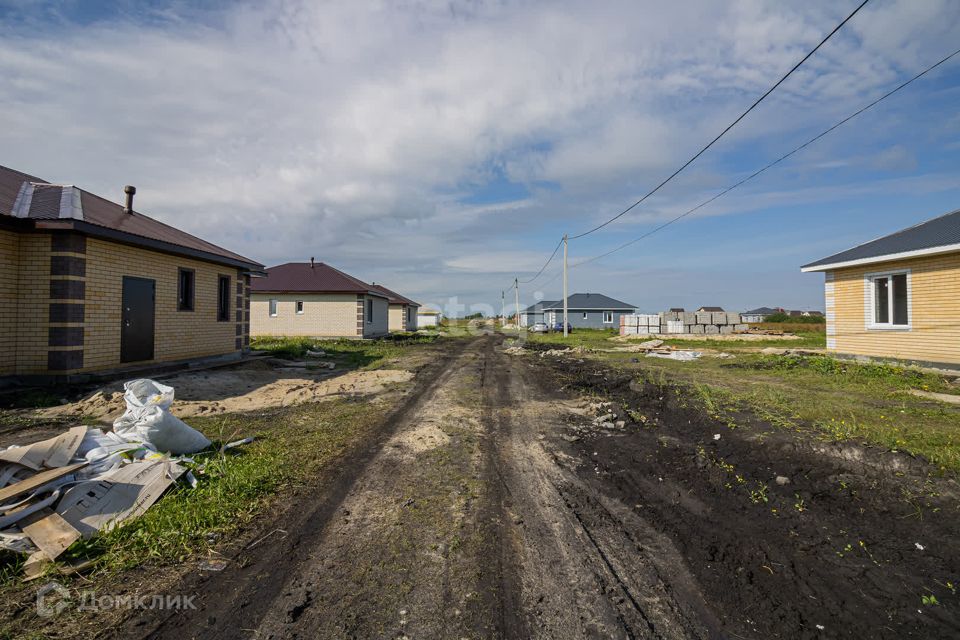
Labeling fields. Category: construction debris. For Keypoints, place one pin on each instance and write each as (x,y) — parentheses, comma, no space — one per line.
(84,481)
(675,355)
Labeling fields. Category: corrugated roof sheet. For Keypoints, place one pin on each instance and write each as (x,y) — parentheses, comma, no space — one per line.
(301,277)
(939,232)
(103,213)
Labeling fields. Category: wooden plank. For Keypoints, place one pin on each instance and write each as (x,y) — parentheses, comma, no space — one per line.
(49,532)
(37,480)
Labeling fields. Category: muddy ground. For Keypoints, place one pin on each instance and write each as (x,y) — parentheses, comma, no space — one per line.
(504,500)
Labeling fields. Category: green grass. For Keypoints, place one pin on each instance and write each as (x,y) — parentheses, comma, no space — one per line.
(829,398)
(292,445)
(365,354)
(594,338)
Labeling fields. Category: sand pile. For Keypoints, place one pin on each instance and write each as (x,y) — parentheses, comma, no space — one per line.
(245,388)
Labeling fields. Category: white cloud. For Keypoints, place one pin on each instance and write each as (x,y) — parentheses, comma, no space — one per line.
(286,129)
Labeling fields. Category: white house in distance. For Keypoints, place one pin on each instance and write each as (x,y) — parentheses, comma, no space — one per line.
(427,317)
(318,301)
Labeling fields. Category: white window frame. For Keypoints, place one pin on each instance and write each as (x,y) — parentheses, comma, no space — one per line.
(608,314)
(369,313)
(586,315)
(298,307)
(273,307)
(871,306)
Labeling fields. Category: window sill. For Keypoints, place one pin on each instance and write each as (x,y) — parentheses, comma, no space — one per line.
(889,327)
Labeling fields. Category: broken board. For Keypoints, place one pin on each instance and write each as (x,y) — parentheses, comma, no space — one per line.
(36,481)
(55,452)
(101,504)
(49,532)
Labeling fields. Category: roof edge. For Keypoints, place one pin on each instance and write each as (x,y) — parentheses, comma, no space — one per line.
(116,235)
(889,257)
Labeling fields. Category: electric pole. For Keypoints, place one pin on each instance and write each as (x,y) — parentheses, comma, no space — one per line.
(564,285)
(516,292)
(503,307)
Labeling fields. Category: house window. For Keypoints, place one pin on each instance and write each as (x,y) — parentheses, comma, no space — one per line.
(369,311)
(185,289)
(223,298)
(299,307)
(407,309)
(889,300)
(608,317)
(585,316)
(273,308)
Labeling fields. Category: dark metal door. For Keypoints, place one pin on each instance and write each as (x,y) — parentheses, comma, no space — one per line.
(136,330)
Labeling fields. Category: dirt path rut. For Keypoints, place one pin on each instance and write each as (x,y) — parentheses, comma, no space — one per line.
(459,524)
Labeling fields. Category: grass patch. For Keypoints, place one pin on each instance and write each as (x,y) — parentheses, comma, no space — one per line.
(595,338)
(363,354)
(830,398)
(293,444)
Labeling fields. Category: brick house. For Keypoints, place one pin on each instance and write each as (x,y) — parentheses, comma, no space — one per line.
(402,314)
(88,286)
(897,296)
(318,301)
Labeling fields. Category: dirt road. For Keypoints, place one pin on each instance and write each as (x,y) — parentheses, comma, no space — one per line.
(498,504)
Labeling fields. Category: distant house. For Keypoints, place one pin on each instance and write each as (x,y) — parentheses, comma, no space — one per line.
(427,317)
(760,314)
(316,300)
(402,312)
(897,296)
(535,312)
(706,309)
(584,311)
(88,286)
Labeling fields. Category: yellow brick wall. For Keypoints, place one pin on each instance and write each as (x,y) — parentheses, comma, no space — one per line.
(9,283)
(934,312)
(324,315)
(33,303)
(179,335)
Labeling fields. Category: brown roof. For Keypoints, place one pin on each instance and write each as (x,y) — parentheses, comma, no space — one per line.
(393,296)
(302,277)
(98,216)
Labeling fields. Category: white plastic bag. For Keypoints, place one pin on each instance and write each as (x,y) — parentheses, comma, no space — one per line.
(148,420)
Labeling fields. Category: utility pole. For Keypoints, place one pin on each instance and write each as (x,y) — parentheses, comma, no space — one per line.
(503,307)
(516,292)
(564,285)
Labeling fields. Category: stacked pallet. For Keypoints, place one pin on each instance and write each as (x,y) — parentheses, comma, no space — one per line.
(679,322)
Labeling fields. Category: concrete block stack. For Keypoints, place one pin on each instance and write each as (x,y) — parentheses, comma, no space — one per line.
(680,322)
(639,324)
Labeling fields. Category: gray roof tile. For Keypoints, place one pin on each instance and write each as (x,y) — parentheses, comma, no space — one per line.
(938,232)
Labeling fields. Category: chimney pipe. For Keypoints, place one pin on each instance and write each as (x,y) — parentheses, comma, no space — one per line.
(311,262)
(129,190)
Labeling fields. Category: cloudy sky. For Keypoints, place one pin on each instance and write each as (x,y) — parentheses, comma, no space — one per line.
(442,148)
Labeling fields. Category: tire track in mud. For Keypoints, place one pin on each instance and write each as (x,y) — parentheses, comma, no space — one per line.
(582,573)
(230,604)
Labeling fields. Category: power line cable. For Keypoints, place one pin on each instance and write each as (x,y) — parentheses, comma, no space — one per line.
(544,264)
(775,162)
(729,127)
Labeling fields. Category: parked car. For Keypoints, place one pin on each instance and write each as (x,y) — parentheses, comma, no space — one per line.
(539,327)
(558,326)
